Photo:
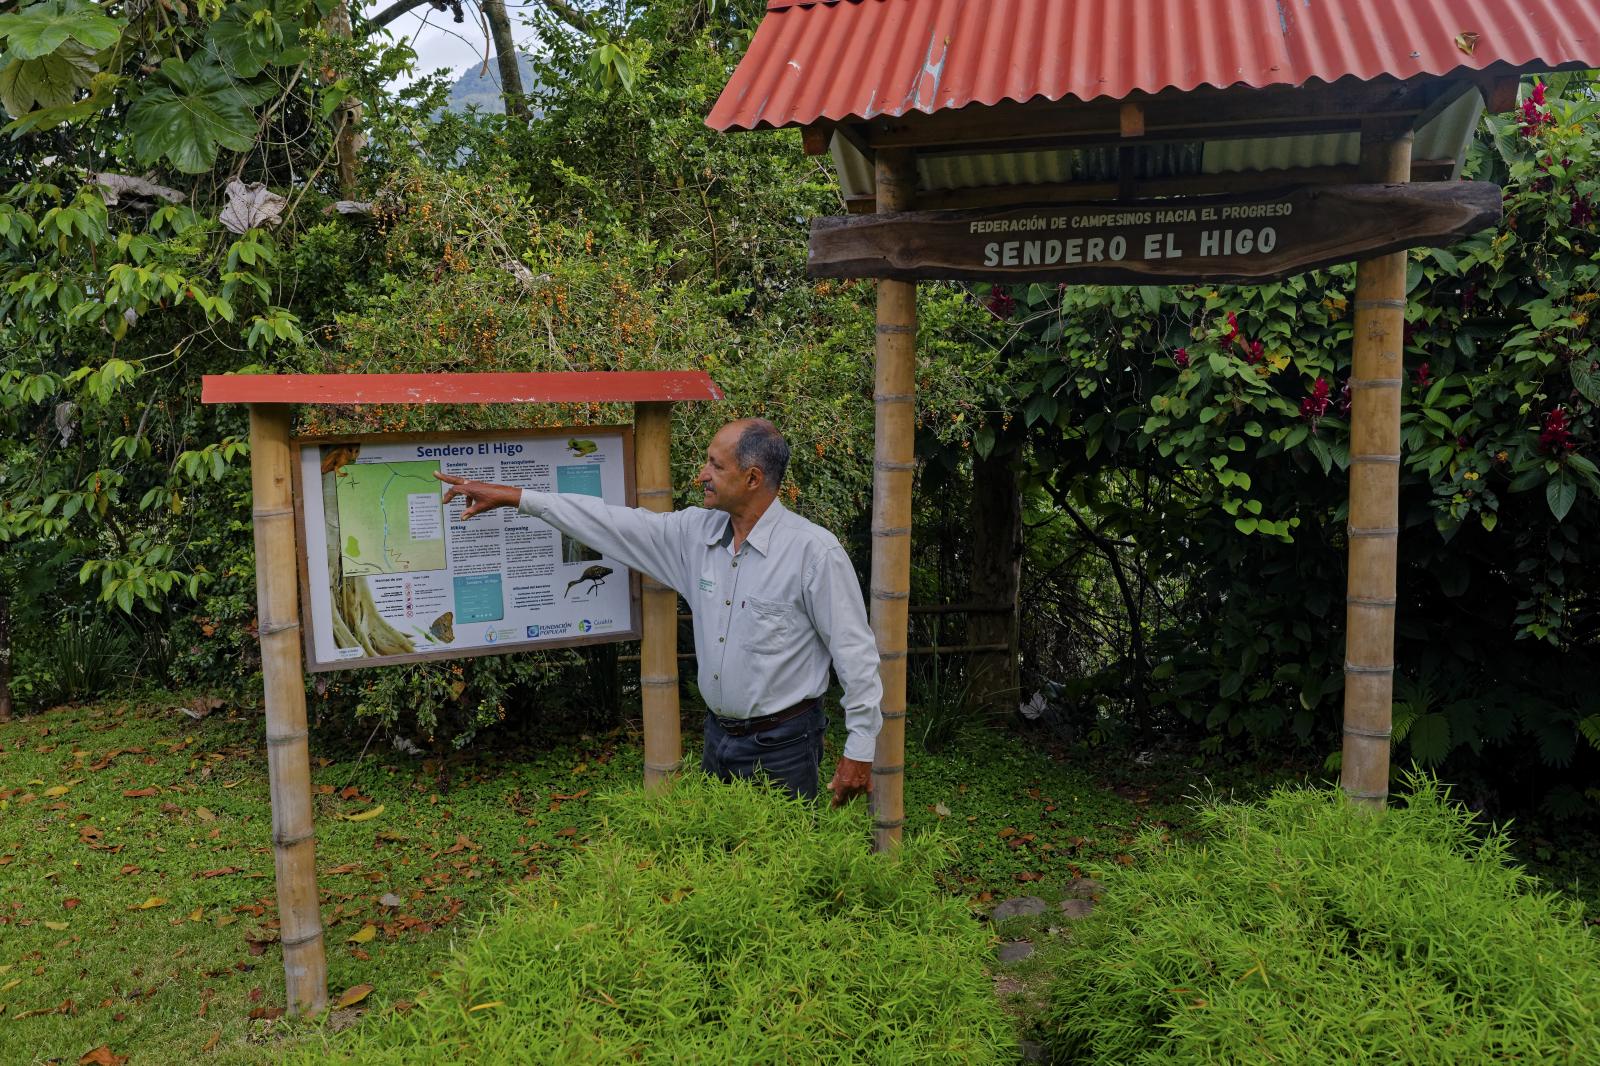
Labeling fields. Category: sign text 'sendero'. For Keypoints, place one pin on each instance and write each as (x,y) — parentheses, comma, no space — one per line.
(1242,239)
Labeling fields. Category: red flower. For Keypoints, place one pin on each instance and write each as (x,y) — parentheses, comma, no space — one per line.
(1534,113)
(1181,357)
(1256,352)
(1000,303)
(1422,376)
(1556,437)
(1344,398)
(1314,406)
(1582,211)
(1233,328)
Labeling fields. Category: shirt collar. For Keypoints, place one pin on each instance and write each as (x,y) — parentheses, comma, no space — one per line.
(760,537)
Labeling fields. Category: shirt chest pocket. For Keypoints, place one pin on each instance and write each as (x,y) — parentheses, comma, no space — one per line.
(766,626)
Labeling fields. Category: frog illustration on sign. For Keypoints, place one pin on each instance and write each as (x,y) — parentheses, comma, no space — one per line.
(580,447)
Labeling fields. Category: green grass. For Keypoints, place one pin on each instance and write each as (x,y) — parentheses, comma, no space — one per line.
(160,984)
(1303,930)
(714,923)
(186,973)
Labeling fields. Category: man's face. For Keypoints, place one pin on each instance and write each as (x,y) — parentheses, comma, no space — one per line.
(726,487)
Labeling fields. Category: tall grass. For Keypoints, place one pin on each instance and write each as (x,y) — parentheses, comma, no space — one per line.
(81,658)
(1304,931)
(714,924)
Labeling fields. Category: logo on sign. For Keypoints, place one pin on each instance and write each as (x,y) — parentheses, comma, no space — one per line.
(533,631)
(585,626)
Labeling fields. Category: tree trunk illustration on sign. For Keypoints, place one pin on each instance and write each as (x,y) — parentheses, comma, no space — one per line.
(356,621)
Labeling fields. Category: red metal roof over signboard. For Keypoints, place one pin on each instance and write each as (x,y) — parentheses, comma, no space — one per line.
(623,386)
(837,59)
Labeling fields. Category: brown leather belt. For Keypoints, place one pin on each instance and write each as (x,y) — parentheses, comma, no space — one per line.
(740,727)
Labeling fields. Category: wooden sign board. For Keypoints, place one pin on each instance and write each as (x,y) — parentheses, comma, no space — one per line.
(390,573)
(1203,239)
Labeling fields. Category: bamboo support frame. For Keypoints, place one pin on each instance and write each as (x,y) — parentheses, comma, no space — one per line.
(305,963)
(658,649)
(1376,375)
(895,352)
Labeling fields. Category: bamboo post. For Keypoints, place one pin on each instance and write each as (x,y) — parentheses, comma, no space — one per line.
(658,651)
(1376,375)
(894,459)
(305,966)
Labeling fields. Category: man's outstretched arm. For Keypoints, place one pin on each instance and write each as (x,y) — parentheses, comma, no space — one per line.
(643,540)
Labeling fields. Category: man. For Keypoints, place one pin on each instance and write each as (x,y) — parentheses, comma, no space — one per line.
(774,600)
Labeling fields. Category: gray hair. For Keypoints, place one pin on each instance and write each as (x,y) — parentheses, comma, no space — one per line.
(760,444)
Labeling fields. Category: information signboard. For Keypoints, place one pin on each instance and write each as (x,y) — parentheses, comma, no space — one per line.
(1252,238)
(391,574)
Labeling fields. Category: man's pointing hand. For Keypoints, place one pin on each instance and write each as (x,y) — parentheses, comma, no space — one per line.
(480,495)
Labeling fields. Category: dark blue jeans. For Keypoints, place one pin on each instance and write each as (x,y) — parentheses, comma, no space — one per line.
(789,753)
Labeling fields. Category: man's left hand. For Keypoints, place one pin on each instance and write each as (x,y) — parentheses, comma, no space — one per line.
(851,778)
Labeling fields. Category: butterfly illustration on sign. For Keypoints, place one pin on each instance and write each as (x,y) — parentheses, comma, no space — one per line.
(443,629)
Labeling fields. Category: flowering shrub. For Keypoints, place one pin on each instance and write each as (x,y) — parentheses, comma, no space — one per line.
(1205,431)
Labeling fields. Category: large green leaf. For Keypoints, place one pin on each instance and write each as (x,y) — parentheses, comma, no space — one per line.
(1586,379)
(1430,738)
(46,82)
(199,110)
(40,29)
(247,38)
(1560,494)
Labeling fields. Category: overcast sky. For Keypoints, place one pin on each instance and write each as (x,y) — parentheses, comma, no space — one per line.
(440,42)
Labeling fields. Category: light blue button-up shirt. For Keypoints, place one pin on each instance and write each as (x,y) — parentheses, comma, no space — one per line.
(768,619)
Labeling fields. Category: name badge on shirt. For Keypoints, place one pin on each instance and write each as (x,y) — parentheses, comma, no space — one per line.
(706,584)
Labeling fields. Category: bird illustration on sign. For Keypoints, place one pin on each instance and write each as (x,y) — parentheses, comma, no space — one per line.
(595,574)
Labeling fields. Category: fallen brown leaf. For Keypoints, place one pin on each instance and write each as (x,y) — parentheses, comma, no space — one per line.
(269,1013)
(141,793)
(353,995)
(220,871)
(102,1056)
(212,1043)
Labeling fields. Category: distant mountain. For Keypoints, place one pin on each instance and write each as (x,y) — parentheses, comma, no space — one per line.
(479,86)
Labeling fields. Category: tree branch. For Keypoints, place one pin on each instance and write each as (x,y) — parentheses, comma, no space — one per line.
(392,12)
(561,9)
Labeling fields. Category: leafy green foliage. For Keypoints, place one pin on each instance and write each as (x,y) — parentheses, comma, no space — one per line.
(200,109)
(715,923)
(1304,928)
(1195,439)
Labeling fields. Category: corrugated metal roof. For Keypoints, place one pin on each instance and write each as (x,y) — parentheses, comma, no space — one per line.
(1443,139)
(816,60)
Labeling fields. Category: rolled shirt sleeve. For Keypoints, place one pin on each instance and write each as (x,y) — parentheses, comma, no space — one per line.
(833,599)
